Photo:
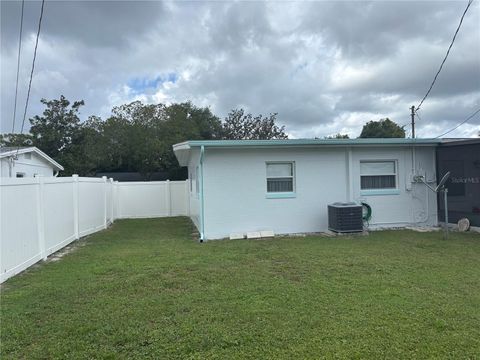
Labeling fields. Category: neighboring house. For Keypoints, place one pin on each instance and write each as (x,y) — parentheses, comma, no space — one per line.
(26,162)
(462,159)
(240,186)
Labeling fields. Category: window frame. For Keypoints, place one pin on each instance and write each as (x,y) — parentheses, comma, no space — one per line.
(380,191)
(281,194)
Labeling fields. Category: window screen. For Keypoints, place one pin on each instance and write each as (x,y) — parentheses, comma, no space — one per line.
(280,177)
(378,175)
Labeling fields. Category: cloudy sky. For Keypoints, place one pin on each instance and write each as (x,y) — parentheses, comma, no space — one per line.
(324,67)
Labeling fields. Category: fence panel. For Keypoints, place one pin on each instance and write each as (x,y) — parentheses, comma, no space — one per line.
(19,226)
(110,202)
(39,216)
(91,194)
(142,199)
(58,209)
(179,198)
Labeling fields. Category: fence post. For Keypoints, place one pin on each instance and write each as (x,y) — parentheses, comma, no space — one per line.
(104,178)
(117,201)
(168,197)
(76,205)
(112,193)
(41,216)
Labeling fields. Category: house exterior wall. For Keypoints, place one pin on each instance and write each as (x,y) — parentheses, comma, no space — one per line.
(4,168)
(236,198)
(194,187)
(35,165)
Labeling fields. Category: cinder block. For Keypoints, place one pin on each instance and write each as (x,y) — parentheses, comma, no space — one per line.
(236,236)
(254,235)
(267,233)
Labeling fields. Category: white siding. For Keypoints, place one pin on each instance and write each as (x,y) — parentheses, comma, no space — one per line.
(4,168)
(410,206)
(235,189)
(194,195)
(36,165)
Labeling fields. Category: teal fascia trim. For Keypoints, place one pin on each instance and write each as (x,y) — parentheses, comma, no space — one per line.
(202,200)
(281,195)
(380,192)
(306,142)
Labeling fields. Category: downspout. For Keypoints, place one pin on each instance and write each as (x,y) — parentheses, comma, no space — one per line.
(56,173)
(202,201)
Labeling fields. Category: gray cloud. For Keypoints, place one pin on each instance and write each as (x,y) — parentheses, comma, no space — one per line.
(325,67)
(92,23)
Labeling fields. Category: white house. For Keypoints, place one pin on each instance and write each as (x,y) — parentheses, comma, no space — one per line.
(26,162)
(240,186)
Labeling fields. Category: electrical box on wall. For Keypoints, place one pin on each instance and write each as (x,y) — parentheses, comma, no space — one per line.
(409,181)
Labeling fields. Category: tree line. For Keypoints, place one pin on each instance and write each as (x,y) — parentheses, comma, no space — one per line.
(138,137)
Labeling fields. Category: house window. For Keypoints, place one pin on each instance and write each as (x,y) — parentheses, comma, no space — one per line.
(20,175)
(376,175)
(280,177)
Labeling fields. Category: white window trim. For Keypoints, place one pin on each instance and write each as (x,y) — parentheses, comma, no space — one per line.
(279,194)
(386,191)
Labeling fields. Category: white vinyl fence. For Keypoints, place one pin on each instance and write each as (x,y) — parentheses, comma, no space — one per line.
(41,215)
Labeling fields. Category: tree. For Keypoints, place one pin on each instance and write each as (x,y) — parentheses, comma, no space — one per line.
(185,121)
(385,128)
(56,130)
(241,126)
(16,140)
(338,136)
(138,137)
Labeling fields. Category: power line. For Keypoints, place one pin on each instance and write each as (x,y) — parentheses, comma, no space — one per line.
(419,117)
(33,66)
(463,122)
(18,68)
(446,56)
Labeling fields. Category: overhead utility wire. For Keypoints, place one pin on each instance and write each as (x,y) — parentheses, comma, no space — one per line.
(445,58)
(456,127)
(33,67)
(18,68)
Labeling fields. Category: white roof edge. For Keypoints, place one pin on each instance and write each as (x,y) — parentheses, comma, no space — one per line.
(308,142)
(181,146)
(35,150)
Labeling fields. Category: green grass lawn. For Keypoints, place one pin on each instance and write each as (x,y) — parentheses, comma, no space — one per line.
(145,289)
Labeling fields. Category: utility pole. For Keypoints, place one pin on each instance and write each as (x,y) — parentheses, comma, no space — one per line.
(413,121)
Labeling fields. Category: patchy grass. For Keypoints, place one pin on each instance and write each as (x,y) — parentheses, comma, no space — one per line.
(145,289)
